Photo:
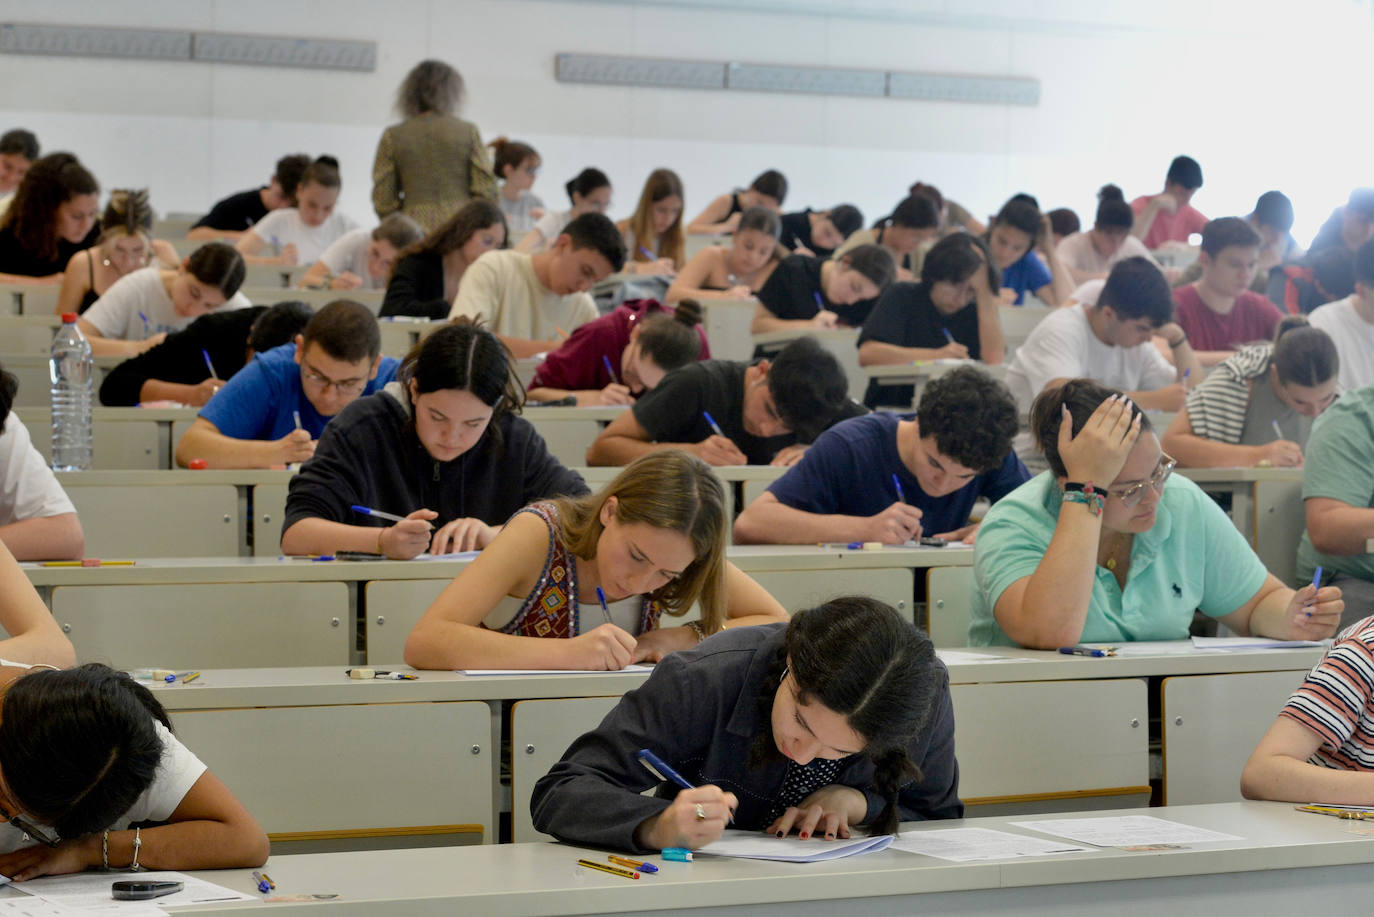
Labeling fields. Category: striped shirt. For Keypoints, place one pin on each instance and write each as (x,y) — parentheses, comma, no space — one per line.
(1218,406)
(1336,701)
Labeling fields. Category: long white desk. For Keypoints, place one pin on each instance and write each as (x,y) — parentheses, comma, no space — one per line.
(1284,862)
(920,373)
(123,439)
(31,369)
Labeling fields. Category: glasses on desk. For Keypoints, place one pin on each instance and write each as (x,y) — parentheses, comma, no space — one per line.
(1130,496)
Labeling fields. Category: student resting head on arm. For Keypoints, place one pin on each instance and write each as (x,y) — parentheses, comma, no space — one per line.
(618,357)
(717,272)
(820,232)
(952,314)
(527,300)
(125,245)
(18,150)
(176,369)
(652,541)
(516,166)
(234,216)
(427,274)
(588,190)
(139,310)
(1319,749)
(37,519)
(363,258)
(953,451)
(273,410)
(51,217)
(806,292)
(723,214)
(840,718)
(87,752)
(1257,408)
(300,234)
(653,233)
(759,413)
(906,232)
(1021,242)
(1220,312)
(1109,545)
(441,446)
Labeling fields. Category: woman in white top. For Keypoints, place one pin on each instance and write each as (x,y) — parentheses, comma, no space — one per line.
(37,519)
(1090,255)
(517,165)
(300,234)
(589,191)
(141,308)
(126,244)
(363,258)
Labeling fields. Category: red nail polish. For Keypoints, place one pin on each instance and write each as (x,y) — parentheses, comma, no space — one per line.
(805,835)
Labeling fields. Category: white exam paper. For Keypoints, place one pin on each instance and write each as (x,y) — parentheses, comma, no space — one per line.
(629,669)
(89,892)
(962,657)
(1125,831)
(961,845)
(1249,643)
(752,845)
(29,906)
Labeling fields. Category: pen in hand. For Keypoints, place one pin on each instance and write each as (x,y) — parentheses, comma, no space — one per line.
(714,426)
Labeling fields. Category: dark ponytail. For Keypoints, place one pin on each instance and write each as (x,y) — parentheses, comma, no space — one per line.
(324,171)
(79,746)
(672,340)
(465,356)
(218,265)
(585,182)
(1304,355)
(1112,210)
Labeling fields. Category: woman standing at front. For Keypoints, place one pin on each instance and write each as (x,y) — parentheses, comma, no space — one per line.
(431,163)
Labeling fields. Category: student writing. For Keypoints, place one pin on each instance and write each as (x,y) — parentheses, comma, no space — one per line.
(232,217)
(724,213)
(125,245)
(299,234)
(363,258)
(653,233)
(717,272)
(517,165)
(589,191)
(427,274)
(51,217)
(807,292)
(907,233)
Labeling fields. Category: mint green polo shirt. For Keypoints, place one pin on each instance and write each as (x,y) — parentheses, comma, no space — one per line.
(1340,465)
(1192,558)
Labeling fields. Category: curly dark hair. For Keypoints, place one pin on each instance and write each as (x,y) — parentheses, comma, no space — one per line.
(972,417)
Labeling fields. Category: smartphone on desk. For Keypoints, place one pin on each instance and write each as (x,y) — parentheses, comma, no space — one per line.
(933,542)
(142,891)
(358,555)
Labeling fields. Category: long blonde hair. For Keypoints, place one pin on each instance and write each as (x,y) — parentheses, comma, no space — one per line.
(661,183)
(669,489)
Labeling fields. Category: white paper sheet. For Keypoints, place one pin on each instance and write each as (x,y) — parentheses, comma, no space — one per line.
(1125,831)
(754,846)
(89,892)
(629,669)
(961,657)
(1249,643)
(459,555)
(29,906)
(1150,648)
(961,845)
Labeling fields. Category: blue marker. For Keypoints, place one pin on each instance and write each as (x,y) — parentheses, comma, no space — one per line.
(901,497)
(712,421)
(601,597)
(820,303)
(209,364)
(1316,584)
(606,362)
(948,337)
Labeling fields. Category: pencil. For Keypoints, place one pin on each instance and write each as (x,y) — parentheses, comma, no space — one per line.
(613,870)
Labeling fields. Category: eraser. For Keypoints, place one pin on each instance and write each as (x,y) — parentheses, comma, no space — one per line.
(361,674)
(197,464)
(90,561)
(873,545)
(680,854)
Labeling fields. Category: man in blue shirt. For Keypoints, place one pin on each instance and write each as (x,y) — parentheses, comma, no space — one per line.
(953,450)
(274,409)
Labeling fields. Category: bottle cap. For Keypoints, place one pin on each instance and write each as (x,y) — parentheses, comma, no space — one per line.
(69,318)
(197,464)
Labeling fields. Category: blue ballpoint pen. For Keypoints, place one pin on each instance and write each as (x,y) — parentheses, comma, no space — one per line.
(660,769)
(712,421)
(610,371)
(1087,651)
(146,332)
(605,611)
(209,364)
(820,303)
(948,337)
(1316,581)
(897,485)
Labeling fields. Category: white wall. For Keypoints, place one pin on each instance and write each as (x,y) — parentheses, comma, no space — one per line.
(1260,94)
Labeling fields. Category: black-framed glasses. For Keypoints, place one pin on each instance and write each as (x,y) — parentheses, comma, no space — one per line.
(1130,496)
(324,383)
(42,835)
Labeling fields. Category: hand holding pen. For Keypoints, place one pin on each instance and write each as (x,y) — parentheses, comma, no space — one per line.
(718,449)
(1313,613)
(408,537)
(697,816)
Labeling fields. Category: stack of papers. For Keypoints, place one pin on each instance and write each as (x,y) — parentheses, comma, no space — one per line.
(1231,644)
(962,845)
(1125,831)
(751,845)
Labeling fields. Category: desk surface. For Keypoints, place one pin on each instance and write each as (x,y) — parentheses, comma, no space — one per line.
(602,413)
(1240,475)
(166,570)
(543,879)
(328,685)
(928,369)
(175,477)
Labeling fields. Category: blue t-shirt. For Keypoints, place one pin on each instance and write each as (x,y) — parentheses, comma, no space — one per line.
(1029,273)
(257,403)
(848,472)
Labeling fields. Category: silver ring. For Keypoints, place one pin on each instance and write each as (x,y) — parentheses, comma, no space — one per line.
(701,812)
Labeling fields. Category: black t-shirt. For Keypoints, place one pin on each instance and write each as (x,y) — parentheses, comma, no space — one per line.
(673,412)
(906,317)
(223,335)
(796,228)
(793,291)
(417,288)
(236,212)
(16,259)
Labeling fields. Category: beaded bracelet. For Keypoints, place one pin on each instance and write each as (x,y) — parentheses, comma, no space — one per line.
(1093,500)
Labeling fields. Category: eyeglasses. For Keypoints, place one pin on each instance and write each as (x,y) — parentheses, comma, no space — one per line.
(324,383)
(1130,496)
(42,835)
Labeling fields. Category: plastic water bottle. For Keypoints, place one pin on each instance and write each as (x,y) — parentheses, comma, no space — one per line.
(70,368)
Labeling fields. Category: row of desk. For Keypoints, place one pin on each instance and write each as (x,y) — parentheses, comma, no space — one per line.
(1284,862)
(1035,732)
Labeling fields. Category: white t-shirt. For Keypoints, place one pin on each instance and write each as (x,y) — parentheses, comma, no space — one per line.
(349,253)
(116,314)
(1063,345)
(28,488)
(502,289)
(519,220)
(1354,339)
(176,774)
(285,227)
(1077,252)
(551,225)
